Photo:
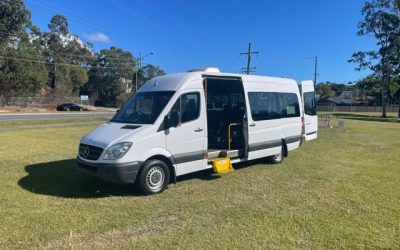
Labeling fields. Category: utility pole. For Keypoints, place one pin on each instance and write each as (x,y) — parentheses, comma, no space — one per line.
(315,69)
(53,75)
(249,53)
(137,70)
(140,59)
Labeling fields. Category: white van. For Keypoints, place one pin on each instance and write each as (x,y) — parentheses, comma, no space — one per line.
(182,123)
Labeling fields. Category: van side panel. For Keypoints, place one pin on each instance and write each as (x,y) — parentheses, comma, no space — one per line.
(187,142)
(266,135)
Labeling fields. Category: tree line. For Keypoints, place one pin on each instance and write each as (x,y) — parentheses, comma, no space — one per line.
(381,20)
(367,90)
(59,63)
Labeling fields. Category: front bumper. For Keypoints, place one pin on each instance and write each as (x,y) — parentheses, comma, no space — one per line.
(111,172)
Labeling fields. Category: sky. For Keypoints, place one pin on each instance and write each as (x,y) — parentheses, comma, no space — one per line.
(190,34)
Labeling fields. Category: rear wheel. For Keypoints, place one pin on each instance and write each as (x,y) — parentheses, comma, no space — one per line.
(153,177)
(278,158)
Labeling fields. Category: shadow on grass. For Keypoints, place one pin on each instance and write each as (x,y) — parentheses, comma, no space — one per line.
(209,175)
(62,179)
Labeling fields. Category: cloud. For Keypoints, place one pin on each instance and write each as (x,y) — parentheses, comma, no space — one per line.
(97,37)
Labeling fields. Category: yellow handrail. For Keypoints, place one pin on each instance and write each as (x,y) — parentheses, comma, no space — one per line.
(229,133)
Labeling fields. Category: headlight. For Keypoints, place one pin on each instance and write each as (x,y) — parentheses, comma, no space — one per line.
(117,151)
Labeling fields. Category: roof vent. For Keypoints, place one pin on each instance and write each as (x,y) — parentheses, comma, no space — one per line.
(207,69)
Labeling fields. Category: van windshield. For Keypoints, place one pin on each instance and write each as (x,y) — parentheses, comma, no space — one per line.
(143,107)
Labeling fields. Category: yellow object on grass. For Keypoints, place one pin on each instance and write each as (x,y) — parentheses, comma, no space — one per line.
(222,165)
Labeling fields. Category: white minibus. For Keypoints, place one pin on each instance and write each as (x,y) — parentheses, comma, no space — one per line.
(182,123)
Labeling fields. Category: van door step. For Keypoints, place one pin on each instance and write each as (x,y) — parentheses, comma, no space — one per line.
(213,154)
(222,165)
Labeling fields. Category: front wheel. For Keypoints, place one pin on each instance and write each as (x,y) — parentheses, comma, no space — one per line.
(153,177)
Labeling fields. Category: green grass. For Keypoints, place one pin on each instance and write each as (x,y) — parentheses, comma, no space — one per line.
(340,191)
(52,121)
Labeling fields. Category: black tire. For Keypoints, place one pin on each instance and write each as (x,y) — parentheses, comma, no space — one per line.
(153,177)
(278,158)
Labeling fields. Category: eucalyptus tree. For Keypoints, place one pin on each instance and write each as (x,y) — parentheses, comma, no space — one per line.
(382,22)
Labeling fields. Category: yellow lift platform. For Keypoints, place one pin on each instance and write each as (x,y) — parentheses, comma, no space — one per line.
(222,165)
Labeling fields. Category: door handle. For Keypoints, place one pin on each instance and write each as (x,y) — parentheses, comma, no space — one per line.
(252,124)
(198,130)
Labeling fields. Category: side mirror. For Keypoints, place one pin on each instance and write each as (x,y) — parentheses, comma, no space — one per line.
(167,123)
(117,111)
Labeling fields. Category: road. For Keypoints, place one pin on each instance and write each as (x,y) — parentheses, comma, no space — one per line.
(46,116)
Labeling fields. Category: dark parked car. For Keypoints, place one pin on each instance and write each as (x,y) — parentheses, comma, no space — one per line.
(70,107)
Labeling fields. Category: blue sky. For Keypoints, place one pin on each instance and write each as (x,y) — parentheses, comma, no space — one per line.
(190,34)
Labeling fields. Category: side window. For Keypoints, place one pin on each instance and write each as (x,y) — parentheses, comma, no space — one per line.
(186,108)
(309,103)
(289,105)
(264,106)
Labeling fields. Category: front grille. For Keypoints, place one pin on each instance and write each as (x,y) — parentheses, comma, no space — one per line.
(89,152)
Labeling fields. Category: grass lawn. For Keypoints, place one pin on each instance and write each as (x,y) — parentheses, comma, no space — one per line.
(340,191)
(64,121)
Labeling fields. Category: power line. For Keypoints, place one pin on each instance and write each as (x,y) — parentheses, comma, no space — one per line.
(249,54)
(88,59)
(59,64)
(133,12)
(81,21)
(198,40)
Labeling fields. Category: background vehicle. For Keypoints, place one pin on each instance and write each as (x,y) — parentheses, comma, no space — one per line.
(70,107)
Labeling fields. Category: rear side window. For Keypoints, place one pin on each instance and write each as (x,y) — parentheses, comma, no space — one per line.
(273,105)
(264,106)
(309,103)
(289,104)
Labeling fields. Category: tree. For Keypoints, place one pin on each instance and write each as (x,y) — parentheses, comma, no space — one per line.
(19,39)
(15,18)
(148,72)
(109,75)
(325,91)
(66,55)
(381,22)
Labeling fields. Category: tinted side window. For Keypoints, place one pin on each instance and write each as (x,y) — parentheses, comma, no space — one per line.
(289,104)
(186,108)
(264,105)
(190,105)
(309,103)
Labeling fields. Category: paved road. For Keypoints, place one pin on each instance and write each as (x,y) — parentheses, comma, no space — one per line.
(46,116)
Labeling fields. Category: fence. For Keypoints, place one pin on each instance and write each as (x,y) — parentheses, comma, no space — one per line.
(41,102)
(335,108)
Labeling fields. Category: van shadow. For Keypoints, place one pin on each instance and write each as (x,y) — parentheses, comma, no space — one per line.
(209,175)
(62,179)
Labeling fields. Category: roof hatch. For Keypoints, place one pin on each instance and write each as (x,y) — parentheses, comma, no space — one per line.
(207,69)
